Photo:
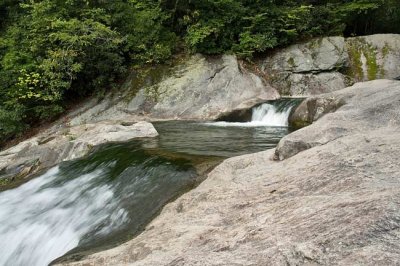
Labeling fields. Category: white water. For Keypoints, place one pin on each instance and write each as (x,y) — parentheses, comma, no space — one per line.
(269,115)
(263,115)
(51,214)
(46,217)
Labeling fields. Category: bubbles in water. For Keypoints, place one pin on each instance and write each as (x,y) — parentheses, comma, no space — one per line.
(270,115)
(273,114)
(44,218)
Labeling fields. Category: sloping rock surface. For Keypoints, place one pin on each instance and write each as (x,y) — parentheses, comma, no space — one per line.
(334,201)
(62,144)
(198,88)
(204,88)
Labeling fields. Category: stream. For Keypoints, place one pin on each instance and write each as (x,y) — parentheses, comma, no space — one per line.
(108,197)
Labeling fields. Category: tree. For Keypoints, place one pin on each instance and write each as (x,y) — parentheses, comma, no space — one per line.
(55,51)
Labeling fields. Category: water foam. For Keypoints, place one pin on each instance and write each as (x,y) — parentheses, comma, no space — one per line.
(269,115)
(46,217)
(274,114)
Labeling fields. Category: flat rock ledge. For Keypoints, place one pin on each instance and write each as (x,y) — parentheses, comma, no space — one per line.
(334,201)
(63,144)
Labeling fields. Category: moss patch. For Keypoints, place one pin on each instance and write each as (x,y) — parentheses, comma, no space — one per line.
(386,50)
(314,47)
(315,43)
(5,181)
(148,76)
(290,61)
(358,48)
(356,68)
(372,65)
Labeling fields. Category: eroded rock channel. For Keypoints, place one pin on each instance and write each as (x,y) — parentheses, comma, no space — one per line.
(107,197)
(328,195)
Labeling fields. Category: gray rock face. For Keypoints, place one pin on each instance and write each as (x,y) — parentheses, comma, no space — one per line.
(297,84)
(335,201)
(374,57)
(362,105)
(203,88)
(55,146)
(319,55)
(309,68)
(199,88)
(328,64)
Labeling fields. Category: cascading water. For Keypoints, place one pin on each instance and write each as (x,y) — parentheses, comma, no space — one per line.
(273,114)
(109,196)
(40,222)
(79,203)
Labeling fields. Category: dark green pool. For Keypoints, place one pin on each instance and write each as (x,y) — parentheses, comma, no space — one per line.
(109,196)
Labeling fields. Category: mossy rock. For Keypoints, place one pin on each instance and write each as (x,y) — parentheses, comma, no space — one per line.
(363,60)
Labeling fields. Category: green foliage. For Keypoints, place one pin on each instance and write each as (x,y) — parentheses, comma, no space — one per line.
(248,27)
(54,51)
(11,120)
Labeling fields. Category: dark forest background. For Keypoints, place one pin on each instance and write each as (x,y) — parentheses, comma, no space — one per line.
(53,52)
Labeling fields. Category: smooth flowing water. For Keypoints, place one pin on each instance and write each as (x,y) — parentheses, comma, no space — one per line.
(110,195)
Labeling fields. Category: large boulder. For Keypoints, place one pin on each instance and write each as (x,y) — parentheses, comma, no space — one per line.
(335,201)
(308,68)
(374,57)
(359,108)
(204,88)
(318,55)
(197,88)
(60,144)
(328,64)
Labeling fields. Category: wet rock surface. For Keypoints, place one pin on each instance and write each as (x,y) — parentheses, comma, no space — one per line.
(332,200)
(64,143)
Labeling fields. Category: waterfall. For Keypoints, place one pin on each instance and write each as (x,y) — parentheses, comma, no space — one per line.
(43,219)
(112,193)
(270,114)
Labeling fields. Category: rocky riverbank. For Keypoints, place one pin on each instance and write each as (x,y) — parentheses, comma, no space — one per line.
(205,88)
(59,144)
(329,194)
(300,203)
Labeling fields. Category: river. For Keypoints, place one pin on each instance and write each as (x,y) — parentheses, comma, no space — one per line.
(109,196)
